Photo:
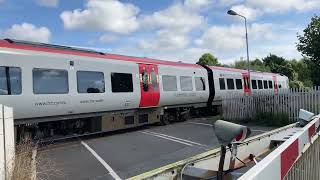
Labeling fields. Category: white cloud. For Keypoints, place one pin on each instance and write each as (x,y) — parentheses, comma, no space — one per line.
(48,3)
(284,5)
(195,4)
(103,15)
(165,41)
(248,12)
(173,26)
(107,38)
(176,17)
(231,39)
(28,32)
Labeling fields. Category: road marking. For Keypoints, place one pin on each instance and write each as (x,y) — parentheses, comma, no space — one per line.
(175,138)
(200,124)
(181,142)
(109,169)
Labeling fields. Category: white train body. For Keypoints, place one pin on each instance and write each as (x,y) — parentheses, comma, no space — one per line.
(41,82)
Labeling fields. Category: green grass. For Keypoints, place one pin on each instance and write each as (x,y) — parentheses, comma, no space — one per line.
(269,119)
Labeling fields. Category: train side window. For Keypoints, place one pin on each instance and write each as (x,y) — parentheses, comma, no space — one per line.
(121,82)
(238,83)
(230,83)
(169,83)
(222,84)
(50,81)
(270,85)
(145,79)
(254,84)
(90,82)
(10,80)
(265,84)
(154,80)
(200,83)
(260,84)
(186,83)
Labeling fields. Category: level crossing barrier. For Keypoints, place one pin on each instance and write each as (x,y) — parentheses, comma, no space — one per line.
(298,158)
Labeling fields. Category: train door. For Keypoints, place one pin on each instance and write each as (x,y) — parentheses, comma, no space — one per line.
(149,85)
(275,84)
(246,83)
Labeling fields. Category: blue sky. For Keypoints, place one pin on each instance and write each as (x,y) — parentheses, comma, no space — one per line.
(178,30)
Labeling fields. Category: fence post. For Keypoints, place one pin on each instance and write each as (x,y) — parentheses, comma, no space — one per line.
(7,144)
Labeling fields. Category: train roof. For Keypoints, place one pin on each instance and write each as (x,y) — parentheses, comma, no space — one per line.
(242,70)
(59,49)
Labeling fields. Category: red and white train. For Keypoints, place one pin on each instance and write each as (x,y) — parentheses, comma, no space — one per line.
(59,90)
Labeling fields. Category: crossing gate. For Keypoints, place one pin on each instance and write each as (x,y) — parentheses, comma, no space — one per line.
(298,158)
(7,144)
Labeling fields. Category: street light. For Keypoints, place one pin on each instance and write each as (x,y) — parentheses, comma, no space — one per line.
(233,13)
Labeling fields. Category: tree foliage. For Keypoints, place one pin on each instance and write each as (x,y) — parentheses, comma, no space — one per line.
(256,65)
(309,42)
(309,46)
(279,65)
(208,59)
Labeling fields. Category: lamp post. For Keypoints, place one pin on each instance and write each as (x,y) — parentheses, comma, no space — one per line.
(233,13)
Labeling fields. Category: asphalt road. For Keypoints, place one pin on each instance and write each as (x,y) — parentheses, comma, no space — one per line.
(126,154)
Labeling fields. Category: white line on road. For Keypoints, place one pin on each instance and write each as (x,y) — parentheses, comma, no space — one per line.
(110,170)
(181,142)
(175,138)
(200,123)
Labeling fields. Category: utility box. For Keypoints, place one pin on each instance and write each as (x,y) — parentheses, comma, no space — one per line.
(7,144)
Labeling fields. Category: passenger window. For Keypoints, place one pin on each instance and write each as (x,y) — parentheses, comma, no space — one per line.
(50,81)
(186,83)
(200,83)
(260,84)
(121,82)
(238,83)
(169,83)
(145,78)
(222,84)
(230,83)
(265,84)
(254,84)
(270,85)
(90,82)
(10,80)
(154,80)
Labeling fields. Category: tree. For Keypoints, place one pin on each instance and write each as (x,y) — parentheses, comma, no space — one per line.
(279,65)
(309,42)
(256,65)
(208,59)
(302,71)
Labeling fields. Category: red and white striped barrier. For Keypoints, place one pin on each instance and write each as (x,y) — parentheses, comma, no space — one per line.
(279,162)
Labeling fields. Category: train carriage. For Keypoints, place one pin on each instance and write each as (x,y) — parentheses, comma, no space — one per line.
(57,89)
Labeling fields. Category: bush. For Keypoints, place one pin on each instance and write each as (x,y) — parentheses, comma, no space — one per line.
(270,119)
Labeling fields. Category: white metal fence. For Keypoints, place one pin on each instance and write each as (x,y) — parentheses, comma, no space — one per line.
(286,101)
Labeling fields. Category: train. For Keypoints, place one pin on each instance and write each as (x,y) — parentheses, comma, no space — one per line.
(62,90)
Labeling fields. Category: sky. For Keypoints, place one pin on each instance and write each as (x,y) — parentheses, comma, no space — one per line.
(176,30)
